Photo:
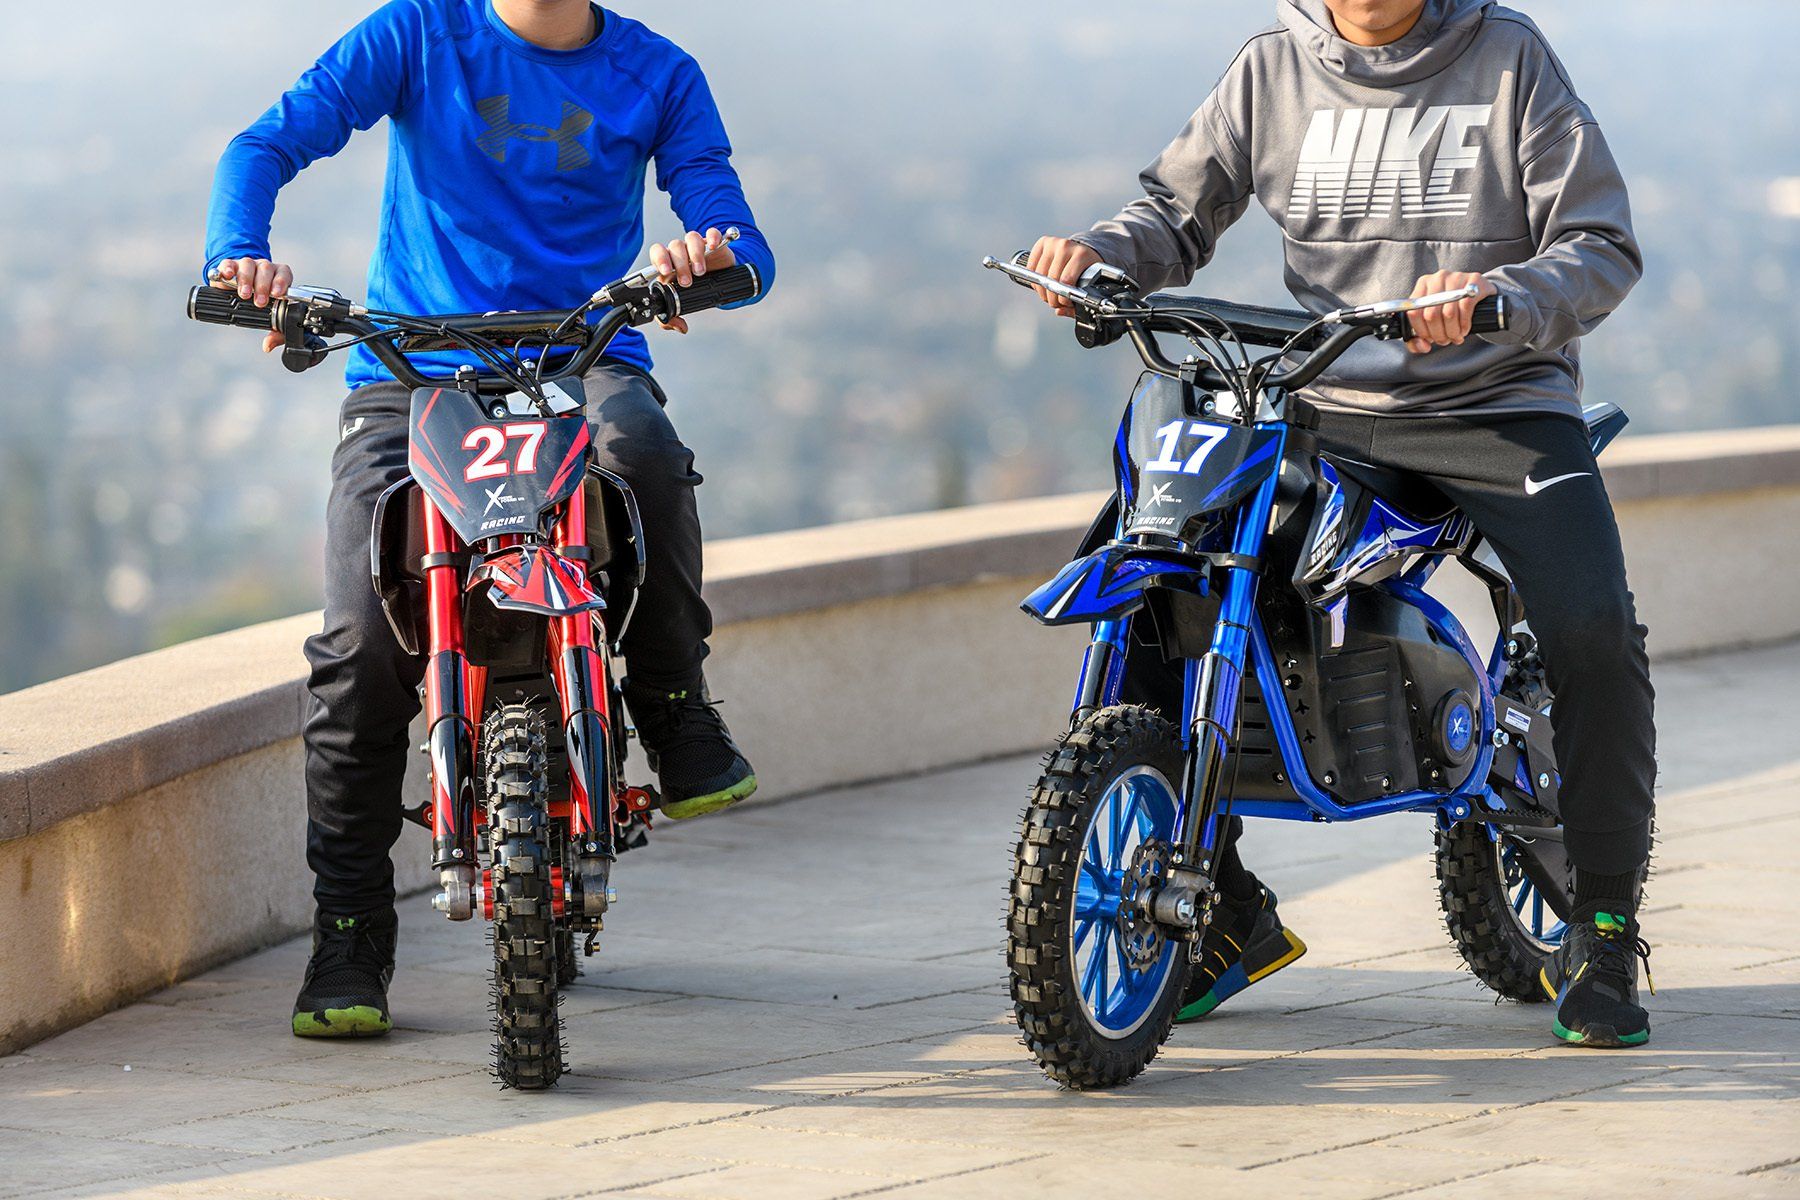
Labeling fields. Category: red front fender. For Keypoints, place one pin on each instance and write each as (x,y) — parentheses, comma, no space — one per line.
(536,579)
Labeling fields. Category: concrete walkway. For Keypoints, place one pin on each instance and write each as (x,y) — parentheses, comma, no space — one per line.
(805,1000)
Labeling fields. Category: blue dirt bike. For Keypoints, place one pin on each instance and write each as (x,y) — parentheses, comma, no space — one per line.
(1278,592)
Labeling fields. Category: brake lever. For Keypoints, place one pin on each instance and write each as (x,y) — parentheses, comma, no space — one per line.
(1055,287)
(641,279)
(1388,308)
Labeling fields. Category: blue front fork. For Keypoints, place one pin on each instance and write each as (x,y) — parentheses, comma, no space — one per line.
(1212,684)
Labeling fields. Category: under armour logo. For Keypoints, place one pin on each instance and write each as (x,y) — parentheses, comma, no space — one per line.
(496,113)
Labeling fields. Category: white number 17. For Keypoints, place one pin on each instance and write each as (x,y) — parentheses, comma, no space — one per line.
(1169,462)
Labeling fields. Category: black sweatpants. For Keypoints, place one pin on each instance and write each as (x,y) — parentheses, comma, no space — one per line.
(364,689)
(1531,485)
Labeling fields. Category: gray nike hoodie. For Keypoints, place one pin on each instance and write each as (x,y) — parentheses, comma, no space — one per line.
(1460,147)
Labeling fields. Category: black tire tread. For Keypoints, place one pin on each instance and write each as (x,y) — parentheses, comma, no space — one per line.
(1473,897)
(1046,1004)
(527,1036)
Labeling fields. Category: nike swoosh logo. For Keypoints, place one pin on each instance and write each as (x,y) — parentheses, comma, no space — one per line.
(1533,487)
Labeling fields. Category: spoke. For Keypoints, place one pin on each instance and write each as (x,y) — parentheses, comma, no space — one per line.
(1092,971)
(1140,823)
(1525,890)
(1537,913)
(1083,927)
(1121,813)
(1095,854)
(1092,899)
(1102,989)
(1123,986)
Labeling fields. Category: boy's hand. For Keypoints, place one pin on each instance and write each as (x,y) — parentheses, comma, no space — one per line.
(260,280)
(1446,324)
(1063,259)
(687,257)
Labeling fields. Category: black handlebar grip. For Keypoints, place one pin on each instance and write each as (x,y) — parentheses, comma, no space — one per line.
(216,306)
(1490,315)
(712,290)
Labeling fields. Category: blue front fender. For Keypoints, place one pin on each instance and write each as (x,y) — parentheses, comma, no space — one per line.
(1112,582)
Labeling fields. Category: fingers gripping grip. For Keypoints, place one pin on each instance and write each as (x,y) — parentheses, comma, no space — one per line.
(216,306)
(712,290)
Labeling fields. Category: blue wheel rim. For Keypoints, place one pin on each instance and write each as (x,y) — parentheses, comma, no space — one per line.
(1138,807)
(1530,910)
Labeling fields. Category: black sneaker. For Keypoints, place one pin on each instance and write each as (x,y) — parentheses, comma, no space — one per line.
(1246,942)
(1592,977)
(345,993)
(698,767)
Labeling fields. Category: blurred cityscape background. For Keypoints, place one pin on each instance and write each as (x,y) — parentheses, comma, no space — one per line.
(160,480)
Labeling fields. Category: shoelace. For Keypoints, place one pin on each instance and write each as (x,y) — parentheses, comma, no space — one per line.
(691,719)
(1614,951)
(345,948)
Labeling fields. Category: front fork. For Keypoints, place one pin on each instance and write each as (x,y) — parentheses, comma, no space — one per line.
(454,692)
(1212,695)
(583,690)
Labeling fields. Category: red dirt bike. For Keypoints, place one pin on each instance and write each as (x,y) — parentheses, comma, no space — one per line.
(511,561)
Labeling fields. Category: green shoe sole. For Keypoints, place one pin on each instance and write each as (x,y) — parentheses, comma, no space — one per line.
(1274,954)
(364,1020)
(1605,1041)
(699,806)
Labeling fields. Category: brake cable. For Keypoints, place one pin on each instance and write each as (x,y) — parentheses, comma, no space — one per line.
(1221,361)
(1261,368)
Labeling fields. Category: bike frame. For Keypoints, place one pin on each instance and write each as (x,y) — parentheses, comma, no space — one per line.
(1213,689)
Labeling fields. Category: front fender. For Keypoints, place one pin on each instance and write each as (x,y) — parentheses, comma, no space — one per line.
(536,579)
(1112,582)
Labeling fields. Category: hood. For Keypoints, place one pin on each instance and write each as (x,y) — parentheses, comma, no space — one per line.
(1444,31)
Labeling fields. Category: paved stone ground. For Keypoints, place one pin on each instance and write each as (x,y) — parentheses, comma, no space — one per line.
(804,1000)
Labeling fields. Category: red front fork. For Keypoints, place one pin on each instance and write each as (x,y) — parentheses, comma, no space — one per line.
(579,671)
(454,691)
(454,695)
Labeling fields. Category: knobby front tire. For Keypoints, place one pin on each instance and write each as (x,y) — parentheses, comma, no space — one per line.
(527,1039)
(1088,1017)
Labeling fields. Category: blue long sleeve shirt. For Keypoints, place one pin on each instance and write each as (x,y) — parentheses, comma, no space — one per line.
(515,173)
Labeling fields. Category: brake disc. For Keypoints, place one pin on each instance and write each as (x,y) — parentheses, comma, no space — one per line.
(1139,935)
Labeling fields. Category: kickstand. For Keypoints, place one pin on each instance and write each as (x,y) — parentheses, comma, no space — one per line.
(588,948)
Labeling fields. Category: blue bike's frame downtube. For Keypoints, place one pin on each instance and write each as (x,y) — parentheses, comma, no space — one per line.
(1214,688)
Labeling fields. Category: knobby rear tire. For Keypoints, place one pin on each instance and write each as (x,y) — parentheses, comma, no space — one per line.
(527,1038)
(1047,998)
(1479,914)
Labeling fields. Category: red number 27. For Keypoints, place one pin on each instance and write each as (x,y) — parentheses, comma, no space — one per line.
(491,441)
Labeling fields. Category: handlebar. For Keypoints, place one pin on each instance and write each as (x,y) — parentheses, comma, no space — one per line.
(307,316)
(1110,308)
(216,306)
